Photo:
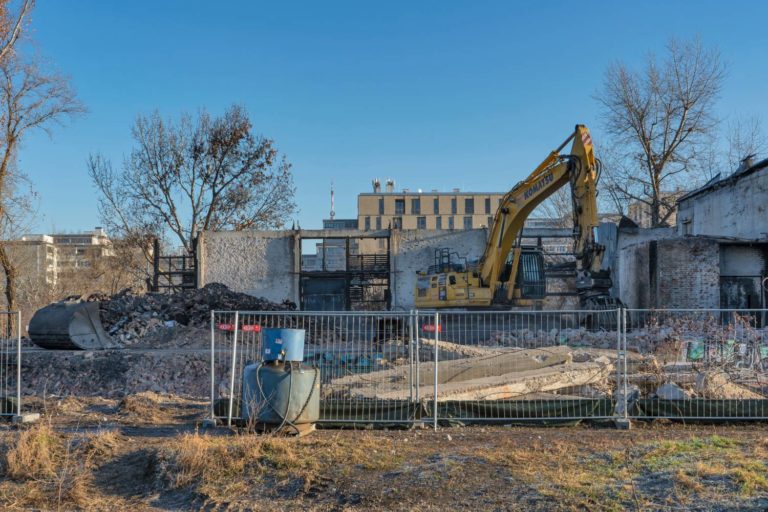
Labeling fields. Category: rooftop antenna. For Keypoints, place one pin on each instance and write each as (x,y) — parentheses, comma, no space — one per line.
(333,209)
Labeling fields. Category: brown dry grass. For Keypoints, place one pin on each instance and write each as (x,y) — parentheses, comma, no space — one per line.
(221,467)
(145,407)
(47,470)
(610,481)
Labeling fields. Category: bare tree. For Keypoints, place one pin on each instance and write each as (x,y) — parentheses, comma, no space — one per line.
(198,174)
(11,25)
(659,119)
(558,208)
(30,100)
(745,138)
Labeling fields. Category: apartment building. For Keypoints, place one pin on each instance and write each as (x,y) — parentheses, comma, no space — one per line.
(49,258)
(425,210)
(640,212)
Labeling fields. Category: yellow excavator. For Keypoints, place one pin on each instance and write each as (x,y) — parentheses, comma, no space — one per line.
(509,274)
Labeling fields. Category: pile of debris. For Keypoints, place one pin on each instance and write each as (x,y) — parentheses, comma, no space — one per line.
(128,316)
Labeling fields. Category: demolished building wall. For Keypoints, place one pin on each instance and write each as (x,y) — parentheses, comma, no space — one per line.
(736,206)
(260,263)
(657,269)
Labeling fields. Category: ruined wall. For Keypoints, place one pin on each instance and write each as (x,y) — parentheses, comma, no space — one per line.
(629,268)
(738,208)
(688,273)
(260,263)
(656,269)
(413,251)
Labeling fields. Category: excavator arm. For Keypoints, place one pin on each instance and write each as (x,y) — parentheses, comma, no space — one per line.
(580,169)
(494,279)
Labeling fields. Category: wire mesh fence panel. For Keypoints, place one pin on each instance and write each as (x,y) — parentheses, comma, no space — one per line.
(697,364)
(10,363)
(365,361)
(510,366)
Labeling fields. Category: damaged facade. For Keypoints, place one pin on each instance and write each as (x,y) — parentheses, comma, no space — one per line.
(715,257)
(346,269)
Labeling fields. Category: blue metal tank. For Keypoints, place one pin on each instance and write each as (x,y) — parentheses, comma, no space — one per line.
(282,391)
(277,394)
(283,344)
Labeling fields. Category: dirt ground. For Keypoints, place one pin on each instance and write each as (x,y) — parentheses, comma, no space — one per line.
(145,452)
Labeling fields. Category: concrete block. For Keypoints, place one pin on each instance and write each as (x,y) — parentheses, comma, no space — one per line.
(26,417)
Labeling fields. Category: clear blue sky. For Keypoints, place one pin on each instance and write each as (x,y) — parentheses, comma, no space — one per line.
(434,94)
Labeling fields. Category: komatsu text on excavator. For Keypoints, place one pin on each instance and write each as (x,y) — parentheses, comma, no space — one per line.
(509,274)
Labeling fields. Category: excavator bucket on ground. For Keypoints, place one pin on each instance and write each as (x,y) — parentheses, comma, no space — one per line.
(69,325)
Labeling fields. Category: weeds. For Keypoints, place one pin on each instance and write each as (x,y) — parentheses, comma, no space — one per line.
(51,468)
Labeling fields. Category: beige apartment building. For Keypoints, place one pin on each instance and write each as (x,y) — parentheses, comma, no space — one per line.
(640,212)
(425,210)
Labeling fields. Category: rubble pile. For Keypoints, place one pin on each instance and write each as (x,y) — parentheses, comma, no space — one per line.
(117,373)
(127,316)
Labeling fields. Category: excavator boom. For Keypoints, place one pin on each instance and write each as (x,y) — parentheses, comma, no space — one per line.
(497,277)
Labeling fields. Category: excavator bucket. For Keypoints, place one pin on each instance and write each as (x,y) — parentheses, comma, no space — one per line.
(69,325)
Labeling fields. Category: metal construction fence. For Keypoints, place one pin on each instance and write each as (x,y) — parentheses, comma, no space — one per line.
(458,367)
(10,363)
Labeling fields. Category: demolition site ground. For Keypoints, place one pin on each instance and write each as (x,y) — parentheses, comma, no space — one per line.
(145,452)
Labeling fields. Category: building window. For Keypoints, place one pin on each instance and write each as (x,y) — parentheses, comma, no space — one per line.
(450,222)
(490,221)
(399,206)
(469,205)
(381,243)
(378,222)
(436,205)
(467,222)
(487,205)
(416,206)
(397,223)
(453,205)
(381,206)
(421,223)
(438,223)
(367,223)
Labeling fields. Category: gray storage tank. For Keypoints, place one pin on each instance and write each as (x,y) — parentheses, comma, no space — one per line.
(282,392)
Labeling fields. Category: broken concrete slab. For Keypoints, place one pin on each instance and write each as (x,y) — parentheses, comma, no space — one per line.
(497,387)
(718,385)
(671,391)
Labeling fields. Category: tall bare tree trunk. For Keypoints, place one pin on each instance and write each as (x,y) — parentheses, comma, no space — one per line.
(10,278)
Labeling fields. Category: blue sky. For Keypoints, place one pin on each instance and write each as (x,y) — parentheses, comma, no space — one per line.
(435,95)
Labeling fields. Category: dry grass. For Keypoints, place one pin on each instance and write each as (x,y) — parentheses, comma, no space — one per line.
(36,454)
(144,407)
(222,467)
(613,480)
(47,470)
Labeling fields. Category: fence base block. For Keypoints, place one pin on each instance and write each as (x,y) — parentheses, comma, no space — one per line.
(622,424)
(208,423)
(27,417)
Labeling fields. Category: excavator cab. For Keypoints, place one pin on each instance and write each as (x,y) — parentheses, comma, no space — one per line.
(530,281)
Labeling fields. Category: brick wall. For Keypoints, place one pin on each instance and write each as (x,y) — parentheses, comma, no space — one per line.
(688,274)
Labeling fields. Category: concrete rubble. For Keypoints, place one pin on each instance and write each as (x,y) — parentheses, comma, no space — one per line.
(128,317)
(493,375)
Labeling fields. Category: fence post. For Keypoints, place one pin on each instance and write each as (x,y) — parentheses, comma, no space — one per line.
(626,370)
(418,357)
(18,364)
(213,362)
(437,360)
(410,355)
(232,369)
(622,402)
